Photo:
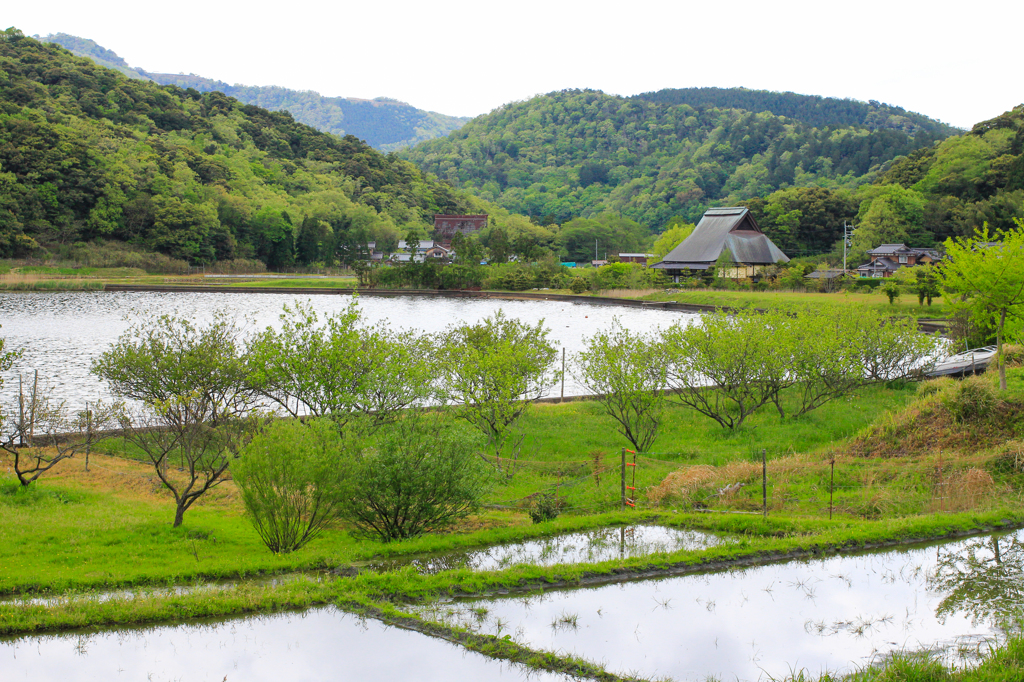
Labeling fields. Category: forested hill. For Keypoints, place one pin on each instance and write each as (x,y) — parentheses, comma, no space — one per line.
(84,47)
(582,152)
(385,124)
(810,109)
(88,154)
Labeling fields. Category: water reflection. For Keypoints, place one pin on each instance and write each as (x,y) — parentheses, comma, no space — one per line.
(61,333)
(982,578)
(749,624)
(590,546)
(319,644)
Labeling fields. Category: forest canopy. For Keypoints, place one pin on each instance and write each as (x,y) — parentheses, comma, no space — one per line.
(88,154)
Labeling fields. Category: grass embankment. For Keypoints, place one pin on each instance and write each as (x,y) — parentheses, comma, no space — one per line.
(905,306)
(111,526)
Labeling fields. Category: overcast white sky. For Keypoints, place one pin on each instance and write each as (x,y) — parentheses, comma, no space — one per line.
(957,62)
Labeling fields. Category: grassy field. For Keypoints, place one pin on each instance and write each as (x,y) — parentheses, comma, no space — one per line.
(905,305)
(906,468)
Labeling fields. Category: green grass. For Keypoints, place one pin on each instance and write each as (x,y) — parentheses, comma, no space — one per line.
(72,533)
(905,305)
(326,283)
(53,285)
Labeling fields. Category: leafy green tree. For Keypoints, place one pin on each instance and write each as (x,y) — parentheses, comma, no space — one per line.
(291,477)
(891,289)
(314,242)
(339,367)
(180,229)
(190,451)
(890,215)
(892,348)
(826,357)
(728,365)
(988,276)
(156,361)
(273,238)
(195,405)
(626,371)
(804,220)
(670,239)
(491,372)
(422,476)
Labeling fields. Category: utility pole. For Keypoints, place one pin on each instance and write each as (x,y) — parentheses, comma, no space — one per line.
(847,233)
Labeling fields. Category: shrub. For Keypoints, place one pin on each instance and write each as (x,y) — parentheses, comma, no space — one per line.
(578,285)
(291,480)
(1013,354)
(544,507)
(423,475)
(973,399)
(934,387)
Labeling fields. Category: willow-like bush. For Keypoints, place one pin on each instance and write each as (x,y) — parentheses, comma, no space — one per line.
(291,479)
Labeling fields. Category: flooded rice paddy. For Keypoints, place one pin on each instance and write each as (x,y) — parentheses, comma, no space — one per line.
(316,645)
(61,334)
(590,546)
(833,614)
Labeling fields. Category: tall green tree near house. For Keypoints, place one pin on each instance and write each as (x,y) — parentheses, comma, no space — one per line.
(987,273)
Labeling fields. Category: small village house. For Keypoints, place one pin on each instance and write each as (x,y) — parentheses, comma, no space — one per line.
(888,258)
(729,232)
(447,226)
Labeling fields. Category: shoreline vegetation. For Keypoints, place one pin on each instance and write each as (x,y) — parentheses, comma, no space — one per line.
(91,526)
(693,300)
(114,521)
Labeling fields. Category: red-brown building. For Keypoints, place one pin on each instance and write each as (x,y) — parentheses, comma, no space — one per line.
(447,226)
(640,258)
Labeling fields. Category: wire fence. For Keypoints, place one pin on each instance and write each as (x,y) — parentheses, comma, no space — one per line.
(762,483)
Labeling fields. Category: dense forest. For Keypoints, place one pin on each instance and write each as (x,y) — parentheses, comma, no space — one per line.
(813,110)
(945,190)
(385,124)
(87,154)
(582,152)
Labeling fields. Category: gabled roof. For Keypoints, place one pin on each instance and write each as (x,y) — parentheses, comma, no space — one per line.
(903,250)
(880,264)
(719,229)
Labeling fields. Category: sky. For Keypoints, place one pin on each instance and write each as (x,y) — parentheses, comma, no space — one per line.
(950,61)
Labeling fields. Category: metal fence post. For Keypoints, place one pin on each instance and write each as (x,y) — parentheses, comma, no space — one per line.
(623,480)
(764,481)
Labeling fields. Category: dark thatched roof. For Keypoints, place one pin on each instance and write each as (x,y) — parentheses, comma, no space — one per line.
(719,229)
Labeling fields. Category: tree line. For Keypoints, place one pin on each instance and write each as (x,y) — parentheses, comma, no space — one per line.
(88,155)
(397,433)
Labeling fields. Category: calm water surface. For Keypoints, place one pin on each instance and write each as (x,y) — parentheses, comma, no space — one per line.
(62,333)
(589,546)
(318,645)
(748,624)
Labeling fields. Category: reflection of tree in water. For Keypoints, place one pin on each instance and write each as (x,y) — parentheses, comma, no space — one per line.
(984,579)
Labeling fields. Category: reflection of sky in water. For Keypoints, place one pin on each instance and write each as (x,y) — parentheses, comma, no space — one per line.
(62,333)
(588,546)
(829,614)
(318,645)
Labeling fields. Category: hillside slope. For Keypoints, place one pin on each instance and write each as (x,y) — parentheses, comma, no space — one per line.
(582,152)
(384,124)
(87,154)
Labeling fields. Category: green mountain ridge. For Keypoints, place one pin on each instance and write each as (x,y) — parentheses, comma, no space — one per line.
(813,110)
(384,123)
(583,152)
(88,155)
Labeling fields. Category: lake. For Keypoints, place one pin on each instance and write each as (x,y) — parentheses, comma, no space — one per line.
(62,333)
